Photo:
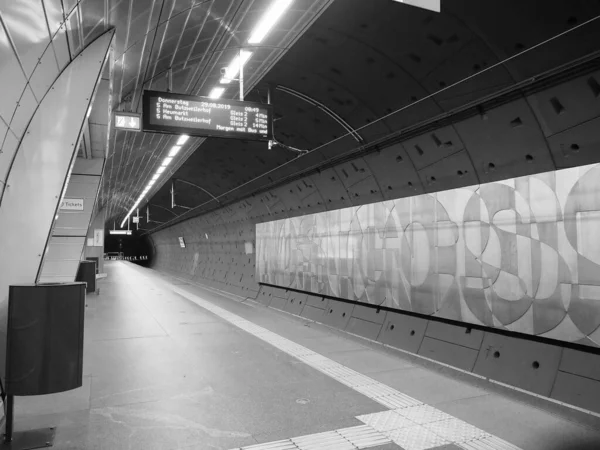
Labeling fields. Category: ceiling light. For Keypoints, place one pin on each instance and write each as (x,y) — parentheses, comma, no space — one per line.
(216,92)
(432,5)
(267,22)
(234,68)
(174,150)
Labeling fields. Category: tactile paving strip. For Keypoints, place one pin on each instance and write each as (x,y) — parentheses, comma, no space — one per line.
(423,414)
(416,438)
(363,436)
(386,421)
(353,438)
(489,443)
(430,427)
(329,439)
(397,401)
(456,430)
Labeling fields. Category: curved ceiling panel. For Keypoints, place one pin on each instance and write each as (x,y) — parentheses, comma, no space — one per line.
(378,69)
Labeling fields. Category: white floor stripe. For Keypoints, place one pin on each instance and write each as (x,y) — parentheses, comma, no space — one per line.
(415,427)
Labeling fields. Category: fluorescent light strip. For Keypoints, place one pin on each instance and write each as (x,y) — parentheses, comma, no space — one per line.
(269,20)
(216,92)
(182,140)
(234,67)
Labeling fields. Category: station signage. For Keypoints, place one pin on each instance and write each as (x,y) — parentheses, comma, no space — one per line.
(181,242)
(71,204)
(99,237)
(128,121)
(166,112)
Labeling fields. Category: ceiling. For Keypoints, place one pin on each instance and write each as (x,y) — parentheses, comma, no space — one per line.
(373,68)
(189,41)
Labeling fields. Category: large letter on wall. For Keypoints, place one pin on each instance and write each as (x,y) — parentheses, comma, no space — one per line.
(38,174)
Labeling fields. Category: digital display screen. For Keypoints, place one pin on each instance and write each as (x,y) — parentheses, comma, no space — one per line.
(165,112)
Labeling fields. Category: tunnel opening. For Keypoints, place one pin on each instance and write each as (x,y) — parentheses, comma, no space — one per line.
(134,248)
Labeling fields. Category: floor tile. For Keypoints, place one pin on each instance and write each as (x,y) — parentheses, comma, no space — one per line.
(416,438)
(519,424)
(369,361)
(428,386)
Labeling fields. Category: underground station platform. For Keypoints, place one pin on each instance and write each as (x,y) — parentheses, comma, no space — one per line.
(300,224)
(171,365)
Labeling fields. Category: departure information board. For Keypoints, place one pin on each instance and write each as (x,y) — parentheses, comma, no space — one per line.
(165,112)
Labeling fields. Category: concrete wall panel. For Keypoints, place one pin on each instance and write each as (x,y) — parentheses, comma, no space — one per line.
(576,146)
(359,182)
(337,314)
(516,135)
(454,171)
(316,301)
(364,328)
(264,297)
(567,105)
(464,336)
(525,364)
(278,303)
(433,147)
(580,363)
(312,313)
(296,303)
(445,352)
(395,172)
(403,332)
(375,315)
(577,390)
(331,189)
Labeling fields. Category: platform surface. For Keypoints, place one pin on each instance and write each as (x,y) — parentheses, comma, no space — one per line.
(170,365)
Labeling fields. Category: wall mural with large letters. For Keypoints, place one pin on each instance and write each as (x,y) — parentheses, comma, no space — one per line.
(521,254)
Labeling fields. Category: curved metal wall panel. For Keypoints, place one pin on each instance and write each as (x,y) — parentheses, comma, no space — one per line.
(40,169)
(520,254)
(33,51)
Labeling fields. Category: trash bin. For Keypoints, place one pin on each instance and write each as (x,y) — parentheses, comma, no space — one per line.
(87,274)
(44,349)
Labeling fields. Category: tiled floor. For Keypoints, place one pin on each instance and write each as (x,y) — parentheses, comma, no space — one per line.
(174,366)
